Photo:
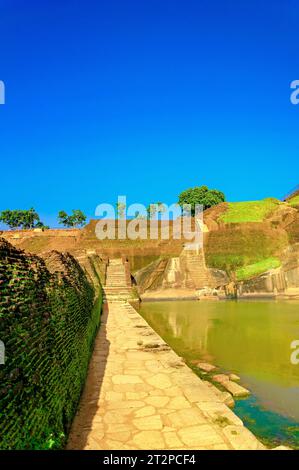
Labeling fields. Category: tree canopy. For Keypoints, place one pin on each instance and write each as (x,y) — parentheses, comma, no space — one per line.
(120,210)
(155,208)
(22,219)
(76,219)
(200,195)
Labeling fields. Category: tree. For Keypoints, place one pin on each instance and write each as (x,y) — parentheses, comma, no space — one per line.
(79,218)
(120,209)
(10,218)
(29,219)
(155,208)
(76,219)
(200,195)
(23,219)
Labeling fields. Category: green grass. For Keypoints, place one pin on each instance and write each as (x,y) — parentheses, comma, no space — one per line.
(255,269)
(294,201)
(249,211)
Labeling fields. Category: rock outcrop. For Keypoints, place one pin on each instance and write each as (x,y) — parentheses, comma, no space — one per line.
(283,282)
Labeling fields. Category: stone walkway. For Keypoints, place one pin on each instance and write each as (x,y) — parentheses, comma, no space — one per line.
(140,395)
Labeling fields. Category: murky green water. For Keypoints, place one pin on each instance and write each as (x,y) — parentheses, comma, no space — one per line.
(250,338)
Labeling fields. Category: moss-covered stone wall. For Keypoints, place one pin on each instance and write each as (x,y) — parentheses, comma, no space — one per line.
(49,315)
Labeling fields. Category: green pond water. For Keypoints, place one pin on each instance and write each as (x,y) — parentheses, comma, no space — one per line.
(249,338)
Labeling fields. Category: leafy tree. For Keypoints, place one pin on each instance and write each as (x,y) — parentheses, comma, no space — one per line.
(10,218)
(41,225)
(23,219)
(76,219)
(120,209)
(200,195)
(79,218)
(155,208)
(29,219)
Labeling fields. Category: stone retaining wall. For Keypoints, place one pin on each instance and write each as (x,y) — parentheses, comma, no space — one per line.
(49,314)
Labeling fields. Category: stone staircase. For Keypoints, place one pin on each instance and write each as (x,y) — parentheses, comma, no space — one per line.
(116,286)
(198,274)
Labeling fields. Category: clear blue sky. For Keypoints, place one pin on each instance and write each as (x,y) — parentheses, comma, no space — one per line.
(146,98)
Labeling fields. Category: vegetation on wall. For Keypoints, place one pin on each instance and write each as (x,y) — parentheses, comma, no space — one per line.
(252,270)
(294,201)
(230,249)
(49,315)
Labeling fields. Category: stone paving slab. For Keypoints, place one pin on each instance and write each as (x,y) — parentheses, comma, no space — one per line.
(139,397)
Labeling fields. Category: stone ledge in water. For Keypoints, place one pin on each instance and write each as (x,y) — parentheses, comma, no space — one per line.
(205,366)
(220,378)
(234,377)
(235,389)
(224,397)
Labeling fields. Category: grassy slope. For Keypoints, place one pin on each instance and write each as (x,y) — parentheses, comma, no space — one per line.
(248,251)
(249,211)
(255,269)
(294,201)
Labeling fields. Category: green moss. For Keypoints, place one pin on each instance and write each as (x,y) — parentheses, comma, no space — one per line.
(255,269)
(231,248)
(249,211)
(294,201)
(222,421)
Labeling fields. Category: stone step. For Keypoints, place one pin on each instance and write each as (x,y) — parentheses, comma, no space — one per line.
(108,273)
(115,289)
(117,286)
(116,298)
(115,276)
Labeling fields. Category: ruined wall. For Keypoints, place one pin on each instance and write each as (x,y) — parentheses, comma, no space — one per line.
(240,245)
(49,314)
(283,281)
(187,271)
(139,252)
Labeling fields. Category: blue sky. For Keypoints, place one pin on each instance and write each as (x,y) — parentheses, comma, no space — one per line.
(146,98)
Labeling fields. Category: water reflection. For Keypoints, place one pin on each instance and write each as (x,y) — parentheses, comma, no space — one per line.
(250,338)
